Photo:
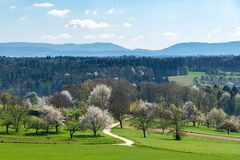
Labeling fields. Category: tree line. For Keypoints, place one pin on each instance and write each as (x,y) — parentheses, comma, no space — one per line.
(96,103)
(48,75)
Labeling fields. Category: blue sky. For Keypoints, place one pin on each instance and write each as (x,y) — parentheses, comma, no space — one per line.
(150,24)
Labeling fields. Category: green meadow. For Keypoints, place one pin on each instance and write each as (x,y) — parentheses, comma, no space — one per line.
(85,147)
(186,80)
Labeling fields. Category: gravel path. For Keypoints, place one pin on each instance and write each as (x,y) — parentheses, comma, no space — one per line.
(107,131)
(213,136)
(128,142)
(202,135)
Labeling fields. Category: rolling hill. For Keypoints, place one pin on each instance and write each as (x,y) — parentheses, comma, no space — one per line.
(21,49)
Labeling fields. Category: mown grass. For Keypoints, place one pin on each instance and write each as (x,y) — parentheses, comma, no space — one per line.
(211,131)
(155,146)
(80,137)
(194,146)
(94,152)
(186,80)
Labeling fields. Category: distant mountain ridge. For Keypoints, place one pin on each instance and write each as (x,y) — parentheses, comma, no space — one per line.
(24,49)
(197,48)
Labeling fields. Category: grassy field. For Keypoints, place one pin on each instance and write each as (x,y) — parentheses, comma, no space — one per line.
(195,147)
(211,131)
(186,80)
(86,147)
(80,137)
(95,152)
(156,146)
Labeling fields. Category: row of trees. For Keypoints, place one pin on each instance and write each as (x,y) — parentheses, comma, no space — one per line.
(175,119)
(57,110)
(94,104)
(48,75)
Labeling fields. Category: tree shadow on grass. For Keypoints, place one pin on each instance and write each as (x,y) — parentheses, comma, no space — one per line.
(87,136)
(42,133)
(7,134)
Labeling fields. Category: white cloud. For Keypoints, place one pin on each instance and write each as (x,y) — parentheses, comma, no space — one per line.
(208,35)
(214,31)
(237,31)
(131,19)
(217,30)
(58,13)
(126,25)
(112,11)
(91,12)
(62,36)
(12,7)
(102,36)
(23,18)
(90,37)
(121,37)
(170,34)
(42,5)
(107,36)
(86,23)
(138,38)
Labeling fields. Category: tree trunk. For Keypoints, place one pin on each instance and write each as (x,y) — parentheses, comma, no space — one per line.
(178,137)
(121,125)
(56,127)
(194,124)
(228,131)
(208,125)
(7,126)
(163,131)
(144,133)
(36,130)
(94,133)
(47,129)
(71,135)
(17,129)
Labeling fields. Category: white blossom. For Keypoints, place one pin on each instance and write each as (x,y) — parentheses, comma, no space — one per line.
(95,119)
(100,96)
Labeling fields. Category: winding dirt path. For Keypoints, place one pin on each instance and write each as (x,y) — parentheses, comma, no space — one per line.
(202,135)
(128,142)
(107,131)
(213,136)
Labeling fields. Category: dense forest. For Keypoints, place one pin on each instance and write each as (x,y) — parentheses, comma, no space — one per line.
(48,75)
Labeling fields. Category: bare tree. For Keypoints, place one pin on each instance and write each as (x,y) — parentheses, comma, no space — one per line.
(72,121)
(61,100)
(36,123)
(122,93)
(17,113)
(164,118)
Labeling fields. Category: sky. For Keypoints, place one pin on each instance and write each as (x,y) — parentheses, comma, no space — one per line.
(149,24)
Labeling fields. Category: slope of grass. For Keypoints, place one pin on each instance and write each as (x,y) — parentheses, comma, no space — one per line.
(94,152)
(191,145)
(186,80)
(155,146)
(211,131)
(80,137)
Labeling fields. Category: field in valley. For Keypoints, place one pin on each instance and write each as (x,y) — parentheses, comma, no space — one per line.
(86,147)
(186,80)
